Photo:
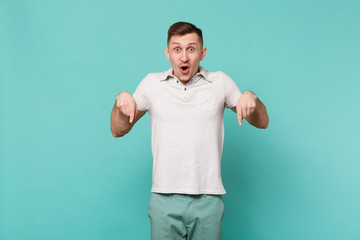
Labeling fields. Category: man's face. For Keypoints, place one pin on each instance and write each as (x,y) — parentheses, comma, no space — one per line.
(185,53)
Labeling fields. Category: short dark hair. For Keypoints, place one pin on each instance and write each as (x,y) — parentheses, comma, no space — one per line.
(183,28)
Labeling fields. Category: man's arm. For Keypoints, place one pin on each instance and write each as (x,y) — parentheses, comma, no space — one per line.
(249,107)
(124,114)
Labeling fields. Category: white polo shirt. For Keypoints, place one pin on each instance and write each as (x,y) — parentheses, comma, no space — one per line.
(187,129)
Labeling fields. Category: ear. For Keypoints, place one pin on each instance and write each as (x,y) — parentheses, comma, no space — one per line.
(203,54)
(167,53)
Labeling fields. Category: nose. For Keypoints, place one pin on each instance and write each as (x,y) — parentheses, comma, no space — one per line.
(184,56)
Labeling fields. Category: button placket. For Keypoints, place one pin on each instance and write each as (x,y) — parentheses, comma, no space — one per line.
(186,92)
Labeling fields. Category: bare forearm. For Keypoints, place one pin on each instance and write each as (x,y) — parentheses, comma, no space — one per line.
(249,107)
(259,118)
(119,123)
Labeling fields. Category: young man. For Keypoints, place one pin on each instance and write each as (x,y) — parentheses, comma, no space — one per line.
(186,106)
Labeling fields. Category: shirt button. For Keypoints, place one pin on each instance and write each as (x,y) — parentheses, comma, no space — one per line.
(177,81)
(185,89)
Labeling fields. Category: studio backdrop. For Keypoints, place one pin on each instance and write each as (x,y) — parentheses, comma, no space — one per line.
(62,63)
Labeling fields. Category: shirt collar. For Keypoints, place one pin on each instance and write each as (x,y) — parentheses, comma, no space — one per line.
(168,74)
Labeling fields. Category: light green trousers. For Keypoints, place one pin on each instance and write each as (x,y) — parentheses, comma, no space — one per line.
(191,217)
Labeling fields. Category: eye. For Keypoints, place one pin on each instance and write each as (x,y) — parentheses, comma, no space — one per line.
(191,49)
(177,49)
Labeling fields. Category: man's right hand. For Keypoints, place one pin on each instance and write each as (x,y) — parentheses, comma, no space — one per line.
(126,105)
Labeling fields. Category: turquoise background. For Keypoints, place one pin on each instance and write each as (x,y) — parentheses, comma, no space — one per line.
(62,63)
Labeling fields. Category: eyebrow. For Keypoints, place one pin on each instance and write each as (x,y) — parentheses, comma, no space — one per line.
(187,44)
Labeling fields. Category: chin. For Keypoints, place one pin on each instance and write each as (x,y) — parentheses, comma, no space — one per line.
(185,79)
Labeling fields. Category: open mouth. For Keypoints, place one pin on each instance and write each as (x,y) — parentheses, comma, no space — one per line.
(184,69)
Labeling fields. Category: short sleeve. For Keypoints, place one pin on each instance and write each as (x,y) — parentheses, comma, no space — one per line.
(232,92)
(140,95)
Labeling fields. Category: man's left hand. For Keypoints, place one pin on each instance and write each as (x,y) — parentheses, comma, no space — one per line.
(246,106)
